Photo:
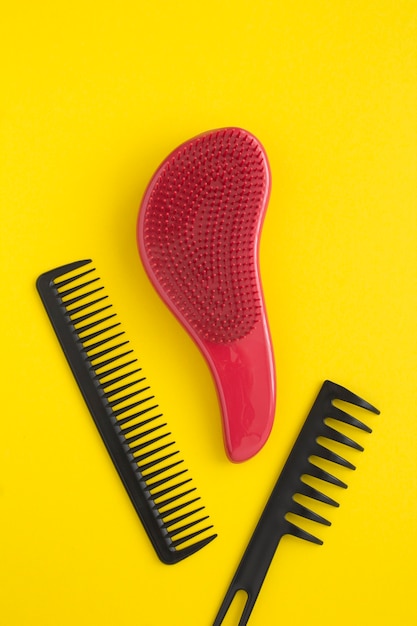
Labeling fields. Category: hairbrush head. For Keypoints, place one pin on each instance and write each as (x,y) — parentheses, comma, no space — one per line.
(198,236)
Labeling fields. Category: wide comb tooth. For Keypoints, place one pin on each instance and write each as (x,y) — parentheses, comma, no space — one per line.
(334,434)
(341,393)
(303,511)
(320,473)
(296,531)
(311,492)
(329,455)
(343,416)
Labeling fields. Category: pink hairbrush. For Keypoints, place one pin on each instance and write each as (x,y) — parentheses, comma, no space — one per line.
(198,234)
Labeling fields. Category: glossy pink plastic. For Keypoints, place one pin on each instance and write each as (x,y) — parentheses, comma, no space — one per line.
(198,236)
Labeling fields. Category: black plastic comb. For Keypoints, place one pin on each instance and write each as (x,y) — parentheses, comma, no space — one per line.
(301,463)
(124,410)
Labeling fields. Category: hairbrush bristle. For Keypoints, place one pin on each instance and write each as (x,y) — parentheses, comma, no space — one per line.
(200,232)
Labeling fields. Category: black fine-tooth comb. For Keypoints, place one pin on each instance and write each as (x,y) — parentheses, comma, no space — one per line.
(302,463)
(124,411)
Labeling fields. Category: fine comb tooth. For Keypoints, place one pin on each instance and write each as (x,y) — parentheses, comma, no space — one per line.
(128,429)
(146,444)
(67,292)
(135,437)
(131,406)
(154,462)
(127,396)
(163,503)
(89,315)
(100,343)
(178,542)
(113,370)
(91,336)
(165,480)
(85,306)
(176,520)
(170,489)
(61,283)
(146,455)
(98,355)
(179,507)
(83,329)
(162,470)
(82,296)
(113,391)
(184,527)
(113,359)
(125,420)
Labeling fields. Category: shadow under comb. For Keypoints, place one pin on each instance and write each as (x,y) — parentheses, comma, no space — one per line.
(276,519)
(124,410)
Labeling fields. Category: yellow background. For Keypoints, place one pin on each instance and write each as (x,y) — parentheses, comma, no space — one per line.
(94,96)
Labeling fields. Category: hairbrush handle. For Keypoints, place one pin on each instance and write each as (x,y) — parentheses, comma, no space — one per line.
(244,375)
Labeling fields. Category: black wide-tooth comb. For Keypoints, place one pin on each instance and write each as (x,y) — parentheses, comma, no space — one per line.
(125,411)
(277,517)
